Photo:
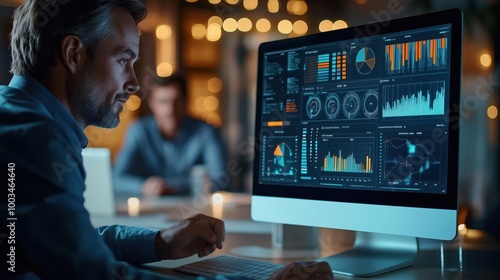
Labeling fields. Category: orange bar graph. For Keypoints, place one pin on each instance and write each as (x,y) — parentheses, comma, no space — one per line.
(323,65)
(417,56)
(391,61)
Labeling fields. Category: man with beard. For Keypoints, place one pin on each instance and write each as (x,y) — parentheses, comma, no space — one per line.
(73,67)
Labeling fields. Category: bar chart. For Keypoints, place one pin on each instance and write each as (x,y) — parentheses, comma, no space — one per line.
(355,158)
(417,57)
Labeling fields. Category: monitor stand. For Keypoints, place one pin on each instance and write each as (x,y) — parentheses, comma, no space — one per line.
(288,242)
(373,254)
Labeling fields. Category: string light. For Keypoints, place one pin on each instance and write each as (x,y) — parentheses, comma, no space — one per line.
(485,60)
(492,112)
(163,32)
(285,26)
(263,25)
(230,25)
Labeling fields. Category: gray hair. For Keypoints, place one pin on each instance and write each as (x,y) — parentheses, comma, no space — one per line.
(40,25)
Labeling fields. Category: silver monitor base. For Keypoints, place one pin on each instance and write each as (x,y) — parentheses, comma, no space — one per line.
(288,242)
(373,254)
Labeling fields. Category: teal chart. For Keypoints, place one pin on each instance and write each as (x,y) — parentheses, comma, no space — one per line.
(414,99)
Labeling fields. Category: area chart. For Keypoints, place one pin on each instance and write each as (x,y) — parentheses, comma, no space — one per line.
(415,99)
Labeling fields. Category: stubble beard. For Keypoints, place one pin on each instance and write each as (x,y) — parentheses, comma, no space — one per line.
(89,105)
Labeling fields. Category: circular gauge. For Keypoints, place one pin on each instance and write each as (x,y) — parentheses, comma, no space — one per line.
(370,103)
(351,105)
(313,106)
(365,61)
(332,106)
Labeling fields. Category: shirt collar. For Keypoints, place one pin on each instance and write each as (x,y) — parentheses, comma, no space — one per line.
(55,108)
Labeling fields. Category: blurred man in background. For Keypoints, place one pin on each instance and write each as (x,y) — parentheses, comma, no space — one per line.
(169,152)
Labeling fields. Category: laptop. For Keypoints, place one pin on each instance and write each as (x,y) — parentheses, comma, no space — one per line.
(98,195)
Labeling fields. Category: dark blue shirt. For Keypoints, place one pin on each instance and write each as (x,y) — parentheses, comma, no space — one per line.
(147,153)
(46,231)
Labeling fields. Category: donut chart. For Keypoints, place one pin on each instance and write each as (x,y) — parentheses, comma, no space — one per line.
(313,106)
(365,61)
(332,106)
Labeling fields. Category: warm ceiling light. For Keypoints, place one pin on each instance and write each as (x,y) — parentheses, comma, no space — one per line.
(244,24)
(492,112)
(214,85)
(485,60)
(230,25)
(250,4)
(273,6)
(325,25)
(133,103)
(296,7)
(263,25)
(214,32)
(211,103)
(215,19)
(164,69)
(198,31)
(232,2)
(199,103)
(300,27)
(339,24)
(285,26)
(163,32)
(215,2)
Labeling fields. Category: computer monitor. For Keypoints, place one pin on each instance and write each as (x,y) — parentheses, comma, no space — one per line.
(357,129)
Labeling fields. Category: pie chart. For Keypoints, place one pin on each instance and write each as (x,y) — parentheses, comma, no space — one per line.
(365,60)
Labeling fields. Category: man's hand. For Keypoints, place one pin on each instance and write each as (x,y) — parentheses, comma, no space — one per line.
(310,270)
(155,186)
(199,234)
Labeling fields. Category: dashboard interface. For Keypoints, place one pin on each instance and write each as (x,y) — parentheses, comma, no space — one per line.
(365,114)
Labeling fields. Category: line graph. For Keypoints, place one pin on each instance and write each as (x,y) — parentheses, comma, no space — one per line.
(410,161)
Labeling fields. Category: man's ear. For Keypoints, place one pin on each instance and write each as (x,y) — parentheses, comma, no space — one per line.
(73,53)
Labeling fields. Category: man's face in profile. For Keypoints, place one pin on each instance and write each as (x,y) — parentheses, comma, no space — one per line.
(168,105)
(100,89)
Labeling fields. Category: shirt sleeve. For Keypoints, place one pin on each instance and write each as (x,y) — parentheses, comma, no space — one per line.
(131,244)
(54,238)
(127,170)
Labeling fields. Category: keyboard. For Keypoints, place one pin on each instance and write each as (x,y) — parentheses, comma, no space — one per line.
(230,265)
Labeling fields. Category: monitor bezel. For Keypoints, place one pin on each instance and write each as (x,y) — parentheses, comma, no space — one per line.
(448,200)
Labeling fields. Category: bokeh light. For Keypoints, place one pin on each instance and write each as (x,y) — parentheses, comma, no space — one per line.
(250,4)
(230,25)
(492,112)
(263,25)
(300,27)
(198,31)
(325,25)
(163,32)
(133,103)
(244,24)
(164,69)
(485,60)
(214,85)
(285,26)
(273,6)
(339,24)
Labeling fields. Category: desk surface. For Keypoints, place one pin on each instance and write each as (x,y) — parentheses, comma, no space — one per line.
(480,253)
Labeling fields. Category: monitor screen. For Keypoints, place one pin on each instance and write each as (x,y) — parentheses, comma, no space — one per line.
(357,128)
